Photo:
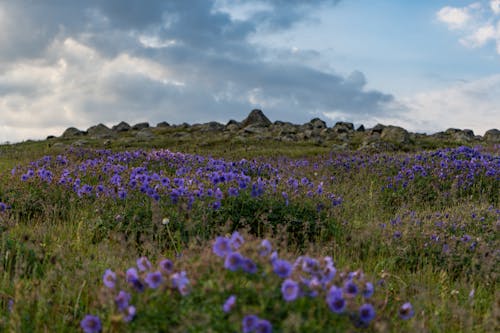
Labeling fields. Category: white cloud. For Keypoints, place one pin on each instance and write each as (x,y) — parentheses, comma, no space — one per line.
(477,25)
(474,105)
(455,18)
(495,6)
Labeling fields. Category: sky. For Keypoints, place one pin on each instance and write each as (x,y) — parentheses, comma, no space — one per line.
(424,65)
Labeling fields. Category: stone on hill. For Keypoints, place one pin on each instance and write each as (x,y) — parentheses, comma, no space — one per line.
(121,127)
(100,131)
(361,128)
(139,126)
(145,134)
(212,126)
(256,118)
(343,127)
(395,134)
(317,123)
(377,129)
(163,124)
(492,136)
(72,132)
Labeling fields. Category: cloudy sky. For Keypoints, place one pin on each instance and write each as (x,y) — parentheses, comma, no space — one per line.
(425,65)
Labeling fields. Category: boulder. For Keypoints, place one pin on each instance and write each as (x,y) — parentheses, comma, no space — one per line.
(343,127)
(72,132)
(145,134)
(212,126)
(317,123)
(395,134)
(256,118)
(163,124)
(100,132)
(139,126)
(377,129)
(492,136)
(361,128)
(121,127)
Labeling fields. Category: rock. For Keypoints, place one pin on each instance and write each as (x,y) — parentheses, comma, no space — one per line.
(395,134)
(163,124)
(317,124)
(51,137)
(256,118)
(456,134)
(212,126)
(100,132)
(121,127)
(361,128)
(343,127)
(255,129)
(377,129)
(492,136)
(140,126)
(72,132)
(145,134)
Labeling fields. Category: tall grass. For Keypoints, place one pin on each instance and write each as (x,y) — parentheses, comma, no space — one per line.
(421,228)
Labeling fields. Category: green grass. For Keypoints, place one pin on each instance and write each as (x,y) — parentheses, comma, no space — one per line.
(55,247)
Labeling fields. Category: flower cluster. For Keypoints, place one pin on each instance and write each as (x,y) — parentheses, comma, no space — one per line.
(138,279)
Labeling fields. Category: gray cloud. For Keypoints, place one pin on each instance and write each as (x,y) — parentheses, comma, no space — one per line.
(77,63)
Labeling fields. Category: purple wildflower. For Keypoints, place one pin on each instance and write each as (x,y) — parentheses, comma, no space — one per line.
(236,240)
(130,313)
(282,268)
(222,246)
(249,266)
(350,289)
(290,290)
(265,248)
(109,278)
(91,324)
(166,266)
(132,274)
(229,304)
(122,299)
(143,264)
(249,323)
(233,261)
(366,313)
(263,326)
(368,290)
(153,279)
(406,311)
(336,304)
(180,281)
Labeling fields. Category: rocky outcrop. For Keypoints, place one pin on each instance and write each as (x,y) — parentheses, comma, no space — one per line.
(395,134)
(163,124)
(140,126)
(72,132)
(256,118)
(100,132)
(492,136)
(121,127)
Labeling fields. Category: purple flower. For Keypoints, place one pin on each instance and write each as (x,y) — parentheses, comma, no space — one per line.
(368,290)
(229,304)
(222,246)
(350,289)
(336,304)
(2,207)
(233,261)
(265,248)
(91,324)
(249,266)
(290,290)
(154,279)
(122,299)
(166,266)
(143,264)
(109,278)
(130,313)
(406,311)
(236,240)
(249,323)
(282,268)
(366,313)
(263,326)
(180,281)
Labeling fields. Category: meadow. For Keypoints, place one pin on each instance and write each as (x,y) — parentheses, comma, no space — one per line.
(257,239)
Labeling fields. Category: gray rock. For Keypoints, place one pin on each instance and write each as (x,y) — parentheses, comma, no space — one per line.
(377,129)
(212,126)
(255,129)
(145,134)
(395,134)
(317,123)
(163,124)
(72,132)
(121,127)
(100,132)
(256,118)
(492,136)
(361,128)
(343,127)
(140,126)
